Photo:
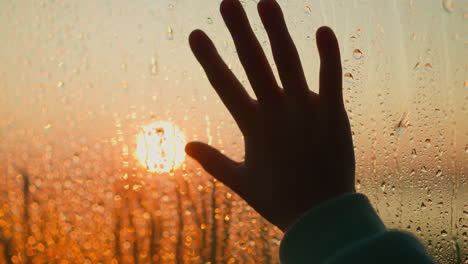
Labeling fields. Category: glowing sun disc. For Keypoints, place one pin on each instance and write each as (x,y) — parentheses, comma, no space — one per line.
(160,147)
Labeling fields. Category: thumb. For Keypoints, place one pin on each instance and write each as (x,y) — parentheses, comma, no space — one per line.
(215,163)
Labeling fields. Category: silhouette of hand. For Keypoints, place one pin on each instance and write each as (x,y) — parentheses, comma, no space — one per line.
(298,144)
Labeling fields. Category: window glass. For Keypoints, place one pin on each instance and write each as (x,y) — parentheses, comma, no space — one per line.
(88,88)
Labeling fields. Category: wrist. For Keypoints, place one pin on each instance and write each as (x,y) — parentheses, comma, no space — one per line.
(328,228)
(290,219)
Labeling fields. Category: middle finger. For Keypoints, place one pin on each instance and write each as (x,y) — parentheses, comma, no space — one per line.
(250,52)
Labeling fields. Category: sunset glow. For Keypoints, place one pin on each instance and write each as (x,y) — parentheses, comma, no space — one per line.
(160,147)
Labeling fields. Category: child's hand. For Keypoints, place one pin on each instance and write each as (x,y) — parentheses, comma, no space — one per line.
(298,145)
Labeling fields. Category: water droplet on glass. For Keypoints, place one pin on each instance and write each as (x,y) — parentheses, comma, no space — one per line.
(383,185)
(348,77)
(443,233)
(402,124)
(209,20)
(357,54)
(414,154)
(428,66)
(170,33)
(154,66)
(428,142)
(276,240)
(448,6)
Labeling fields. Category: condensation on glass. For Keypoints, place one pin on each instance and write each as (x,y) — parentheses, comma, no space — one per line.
(81,82)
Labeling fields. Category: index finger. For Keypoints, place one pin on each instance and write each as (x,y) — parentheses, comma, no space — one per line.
(226,85)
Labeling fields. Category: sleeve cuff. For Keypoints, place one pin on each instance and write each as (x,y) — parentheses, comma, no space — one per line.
(328,228)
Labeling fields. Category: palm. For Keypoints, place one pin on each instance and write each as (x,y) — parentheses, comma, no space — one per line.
(298,147)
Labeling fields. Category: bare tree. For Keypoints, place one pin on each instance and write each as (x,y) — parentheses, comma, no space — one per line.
(26,204)
(7,247)
(227,207)
(131,223)
(155,231)
(214,223)
(199,217)
(265,239)
(117,228)
(124,188)
(180,227)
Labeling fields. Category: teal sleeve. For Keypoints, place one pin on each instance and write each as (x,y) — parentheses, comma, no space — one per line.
(348,230)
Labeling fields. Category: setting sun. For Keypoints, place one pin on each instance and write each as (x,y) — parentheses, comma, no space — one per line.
(160,147)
